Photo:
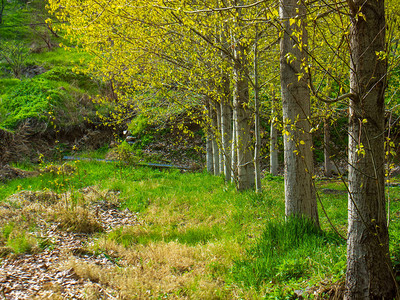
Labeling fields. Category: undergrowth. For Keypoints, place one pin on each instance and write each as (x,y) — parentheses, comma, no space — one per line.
(197,237)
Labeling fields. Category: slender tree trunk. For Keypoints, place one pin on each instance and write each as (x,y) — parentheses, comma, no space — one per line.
(327,149)
(2,6)
(245,166)
(226,114)
(226,134)
(273,143)
(219,137)
(257,146)
(299,192)
(234,150)
(214,123)
(209,138)
(369,271)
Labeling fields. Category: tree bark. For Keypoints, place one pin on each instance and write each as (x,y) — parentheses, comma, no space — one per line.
(327,149)
(234,150)
(369,271)
(245,166)
(226,130)
(226,112)
(214,128)
(219,137)
(299,192)
(257,146)
(209,147)
(2,6)
(273,143)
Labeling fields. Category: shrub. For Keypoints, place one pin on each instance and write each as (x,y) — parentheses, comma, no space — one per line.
(15,54)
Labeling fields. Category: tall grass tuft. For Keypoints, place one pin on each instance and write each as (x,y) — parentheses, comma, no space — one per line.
(284,252)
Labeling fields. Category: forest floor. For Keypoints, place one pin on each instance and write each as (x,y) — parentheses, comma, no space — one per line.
(46,274)
(96,230)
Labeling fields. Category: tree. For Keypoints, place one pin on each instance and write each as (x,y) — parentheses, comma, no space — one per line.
(2,7)
(369,272)
(299,191)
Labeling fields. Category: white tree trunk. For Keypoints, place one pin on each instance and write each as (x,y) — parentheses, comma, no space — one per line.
(209,138)
(327,149)
(214,123)
(257,146)
(369,271)
(234,150)
(219,137)
(299,192)
(226,115)
(245,166)
(226,135)
(273,143)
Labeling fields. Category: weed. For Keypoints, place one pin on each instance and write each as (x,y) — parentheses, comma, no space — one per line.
(126,154)
(21,242)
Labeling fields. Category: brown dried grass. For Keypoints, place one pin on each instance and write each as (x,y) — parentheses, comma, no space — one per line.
(155,270)
(26,208)
(75,219)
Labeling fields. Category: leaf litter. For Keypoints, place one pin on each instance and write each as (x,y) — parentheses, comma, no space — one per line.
(62,225)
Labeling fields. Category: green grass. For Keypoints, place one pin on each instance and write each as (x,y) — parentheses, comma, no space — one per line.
(254,251)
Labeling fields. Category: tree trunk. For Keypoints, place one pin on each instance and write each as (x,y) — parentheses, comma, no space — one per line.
(369,271)
(214,127)
(299,192)
(219,138)
(245,166)
(226,133)
(209,138)
(234,150)
(226,112)
(327,149)
(257,146)
(273,143)
(2,6)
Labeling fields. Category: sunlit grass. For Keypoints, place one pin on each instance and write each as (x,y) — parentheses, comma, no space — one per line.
(238,244)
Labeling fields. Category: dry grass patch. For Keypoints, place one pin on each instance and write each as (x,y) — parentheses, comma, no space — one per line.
(26,212)
(75,219)
(155,270)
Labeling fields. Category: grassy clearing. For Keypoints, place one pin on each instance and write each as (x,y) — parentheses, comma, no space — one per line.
(198,238)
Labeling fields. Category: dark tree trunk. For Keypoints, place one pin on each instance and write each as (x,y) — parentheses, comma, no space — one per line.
(369,271)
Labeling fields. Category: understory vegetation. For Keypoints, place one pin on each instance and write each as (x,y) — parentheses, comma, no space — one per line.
(195,237)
